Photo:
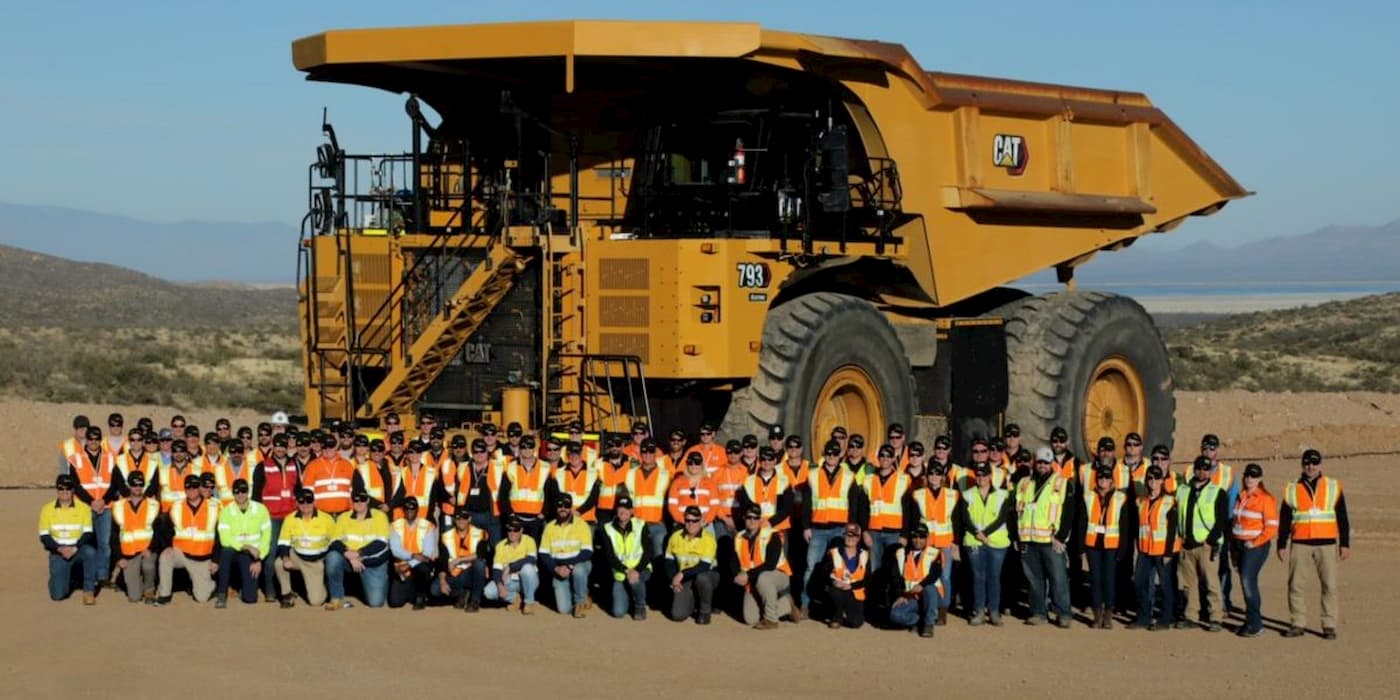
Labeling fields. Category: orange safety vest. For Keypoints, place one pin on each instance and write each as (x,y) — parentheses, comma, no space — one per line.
(648,492)
(578,485)
(839,572)
(918,565)
(765,495)
(225,476)
(457,544)
(1103,520)
(685,493)
(727,481)
(1122,476)
(673,466)
(330,480)
(419,486)
(93,478)
(799,474)
(937,514)
(463,483)
(714,456)
(209,464)
(752,550)
(147,465)
(613,476)
(527,487)
(831,504)
(1255,518)
(195,531)
(137,525)
(1314,508)
(1140,480)
(886,499)
(412,541)
(70,448)
(1152,524)
(450,472)
(172,485)
(372,479)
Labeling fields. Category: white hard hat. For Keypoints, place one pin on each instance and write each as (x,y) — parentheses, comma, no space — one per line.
(280,418)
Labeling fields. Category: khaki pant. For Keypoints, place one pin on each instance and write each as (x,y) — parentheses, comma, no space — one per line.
(139,575)
(1192,567)
(1322,559)
(313,576)
(771,592)
(201,581)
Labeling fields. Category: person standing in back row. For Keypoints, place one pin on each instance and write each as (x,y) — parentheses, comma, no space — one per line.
(1314,533)
(1253,529)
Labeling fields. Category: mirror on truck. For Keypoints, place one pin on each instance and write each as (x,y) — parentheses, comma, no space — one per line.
(835,195)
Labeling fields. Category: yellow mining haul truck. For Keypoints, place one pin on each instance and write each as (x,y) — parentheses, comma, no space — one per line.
(602,221)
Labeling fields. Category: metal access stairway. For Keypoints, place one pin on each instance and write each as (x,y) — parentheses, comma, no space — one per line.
(412,372)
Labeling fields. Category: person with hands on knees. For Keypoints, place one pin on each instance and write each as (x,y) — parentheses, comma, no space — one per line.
(691,566)
(361,545)
(245,537)
(566,550)
(65,530)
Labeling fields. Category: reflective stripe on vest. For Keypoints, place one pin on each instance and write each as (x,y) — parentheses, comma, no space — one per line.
(766,494)
(983,513)
(460,544)
(1250,517)
(579,485)
(195,532)
(1204,511)
(936,513)
(1152,524)
(1103,521)
(224,478)
(1040,515)
(627,546)
(93,478)
(527,488)
(840,573)
(648,492)
(830,502)
(172,486)
(752,552)
(136,526)
(917,568)
(1314,511)
(886,501)
(613,477)
(413,544)
(369,476)
(308,536)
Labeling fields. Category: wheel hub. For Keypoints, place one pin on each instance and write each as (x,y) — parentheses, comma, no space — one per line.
(849,398)
(1116,402)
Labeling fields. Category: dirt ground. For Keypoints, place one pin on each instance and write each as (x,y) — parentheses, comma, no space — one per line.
(52,648)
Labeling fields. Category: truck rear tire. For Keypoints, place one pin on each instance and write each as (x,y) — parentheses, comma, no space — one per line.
(1090,362)
(827,359)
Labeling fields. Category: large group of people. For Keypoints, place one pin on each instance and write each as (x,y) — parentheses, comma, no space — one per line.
(762,532)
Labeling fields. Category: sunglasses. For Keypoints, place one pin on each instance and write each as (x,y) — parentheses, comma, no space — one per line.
(515,529)
(478,452)
(1058,441)
(1161,458)
(1132,443)
(308,501)
(360,499)
(1154,478)
(1313,462)
(692,521)
(238,491)
(978,450)
(1041,461)
(65,488)
(1210,448)
(177,425)
(753,517)
(853,534)
(1013,433)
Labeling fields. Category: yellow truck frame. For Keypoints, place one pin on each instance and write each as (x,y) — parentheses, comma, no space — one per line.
(565,244)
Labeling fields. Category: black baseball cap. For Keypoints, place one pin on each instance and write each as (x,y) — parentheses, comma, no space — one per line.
(396,438)
(1210,441)
(93,433)
(361,441)
(775,432)
(573,448)
(1106,443)
(281,440)
(64,481)
(359,494)
(564,500)
(489,429)
(1312,457)
(574,426)
(832,449)
(942,443)
(920,530)
(793,441)
(179,447)
(733,446)
(856,440)
(514,429)
(623,502)
(527,442)
(136,479)
(1058,434)
(1011,430)
(240,486)
(982,469)
(1103,473)
(222,424)
(235,447)
(1154,472)
(115,420)
(886,451)
(916,448)
(753,510)
(478,445)
(694,458)
(207,479)
(244,431)
(191,481)
(1203,463)
(308,496)
(514,524)
(648,445)
(460,441)
(410,503)
(767,453)
(693,512)
(191,431)
(80,422)
(895,430)
(1253,470)
(750,441)
(614,441)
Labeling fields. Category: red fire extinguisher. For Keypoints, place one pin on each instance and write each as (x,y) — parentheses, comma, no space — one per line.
(737,164)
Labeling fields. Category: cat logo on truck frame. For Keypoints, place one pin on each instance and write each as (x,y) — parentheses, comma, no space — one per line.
(1009,151)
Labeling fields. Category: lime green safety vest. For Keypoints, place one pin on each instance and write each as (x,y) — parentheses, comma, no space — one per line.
(982,514)
(1205,510)
(627,547)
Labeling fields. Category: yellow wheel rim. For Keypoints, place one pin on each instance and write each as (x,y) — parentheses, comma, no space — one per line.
(1116,403)
(849,399)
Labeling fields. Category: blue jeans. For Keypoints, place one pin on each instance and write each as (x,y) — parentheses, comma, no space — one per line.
(1153,574)
(1251,562)
(986,565)
(1041,563)
(633,595)
(816,554)
(526,585)
(946,577)
(573,590)
(879,542)
(269,570)
(230,559)
(908,612)
(1103,569)
(472,581)
(102,530)
(61,572)
(374,579)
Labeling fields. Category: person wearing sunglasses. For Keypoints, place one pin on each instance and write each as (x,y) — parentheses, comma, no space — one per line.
(465,550)
(1162,459)
(515,573)
(566,552)
(1204,516)
(302,546)
(245,539)
(613,470)
(987,519)
(1156,545)
(413,542)
(691,569)
(883,496)
(845,593)
(1253,527)
(1222,476)
(1105,520)
(134,517)
(369,475)
(763,573)
(1314,532)
(474,490)
(1011,435)
(69,448)
(935,505)
(98,487)
(194,547)
(917,585)
(275,484)
(711,452)
(522,489)
(1065,462)
(628,554)
(835,497)
(65,530)
(141,455)
(362,546)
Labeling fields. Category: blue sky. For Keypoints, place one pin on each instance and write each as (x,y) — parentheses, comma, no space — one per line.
(192,111)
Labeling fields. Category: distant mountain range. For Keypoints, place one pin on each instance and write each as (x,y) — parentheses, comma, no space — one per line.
(264,252)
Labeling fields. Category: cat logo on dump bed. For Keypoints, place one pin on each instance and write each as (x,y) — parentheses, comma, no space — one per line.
(1009,151)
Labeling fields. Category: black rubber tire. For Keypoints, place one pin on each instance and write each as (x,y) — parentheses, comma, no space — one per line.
(1053,344)
(804,341)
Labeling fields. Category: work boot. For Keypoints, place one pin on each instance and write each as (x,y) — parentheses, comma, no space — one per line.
(1035,620)
(1098,619)
(1248,633)
(798,613)
(161,601)
(148,597)
(942,617)
(221,601)
(996,619)
(1329,633)
(333,604)
(1183,624)
(976,619)
(766,625)
(527,609)
(1293,632)
(833,623)
(1214,627)
(89,598)
(420,602)
(703,619)
(579,612)
(1107,619)
(460,601)
(1064,621)
(473,605)
(269,597)
(926,631)
(640,614)
(287,601)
